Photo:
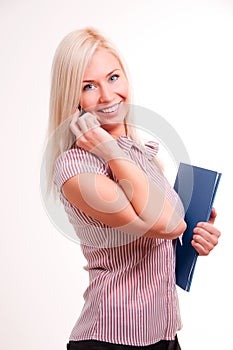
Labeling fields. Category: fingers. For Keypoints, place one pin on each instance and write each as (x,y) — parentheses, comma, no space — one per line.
(213,216)
(81,125)
(205,238)
(73,125)
(91,121)
(202,246)
(209,228)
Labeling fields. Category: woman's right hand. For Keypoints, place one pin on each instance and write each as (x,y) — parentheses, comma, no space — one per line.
(93,138)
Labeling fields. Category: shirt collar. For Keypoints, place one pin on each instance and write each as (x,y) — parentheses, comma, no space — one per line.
(149,149)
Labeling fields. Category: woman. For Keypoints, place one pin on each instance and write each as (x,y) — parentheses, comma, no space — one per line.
(122,208)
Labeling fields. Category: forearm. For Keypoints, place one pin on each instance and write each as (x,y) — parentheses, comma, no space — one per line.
(149,210)
(149,201)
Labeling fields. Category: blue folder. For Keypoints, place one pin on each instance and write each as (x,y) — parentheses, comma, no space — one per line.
(196,188)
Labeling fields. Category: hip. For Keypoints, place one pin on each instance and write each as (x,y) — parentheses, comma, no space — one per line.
(100,345)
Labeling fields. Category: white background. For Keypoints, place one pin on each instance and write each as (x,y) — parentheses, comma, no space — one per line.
(180,57)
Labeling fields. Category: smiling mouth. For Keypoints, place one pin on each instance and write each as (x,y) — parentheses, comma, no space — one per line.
(111,109)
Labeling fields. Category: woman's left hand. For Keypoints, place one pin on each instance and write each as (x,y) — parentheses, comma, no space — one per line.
(206,235)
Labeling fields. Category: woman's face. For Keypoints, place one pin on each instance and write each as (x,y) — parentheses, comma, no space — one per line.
(105,90)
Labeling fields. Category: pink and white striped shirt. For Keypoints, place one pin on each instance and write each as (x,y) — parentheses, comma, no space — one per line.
(132,297)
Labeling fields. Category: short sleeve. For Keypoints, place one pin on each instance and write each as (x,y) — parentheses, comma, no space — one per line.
(76,161)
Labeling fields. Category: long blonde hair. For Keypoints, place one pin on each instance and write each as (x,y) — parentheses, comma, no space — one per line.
(69,64)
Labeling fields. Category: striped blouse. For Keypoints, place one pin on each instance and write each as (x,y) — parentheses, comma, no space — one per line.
(131,298)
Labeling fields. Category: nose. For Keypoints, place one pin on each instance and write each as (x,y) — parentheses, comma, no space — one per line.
(106,93)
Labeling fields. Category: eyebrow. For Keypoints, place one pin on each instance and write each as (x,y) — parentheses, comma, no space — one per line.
(110,73)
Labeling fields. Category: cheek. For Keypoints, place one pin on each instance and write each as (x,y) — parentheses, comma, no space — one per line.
(88,99)
(124,90)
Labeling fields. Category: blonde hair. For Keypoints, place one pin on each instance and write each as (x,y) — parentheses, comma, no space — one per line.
(69,64)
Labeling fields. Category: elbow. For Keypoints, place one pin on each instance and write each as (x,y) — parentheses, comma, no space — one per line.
(177,231)
(166,231)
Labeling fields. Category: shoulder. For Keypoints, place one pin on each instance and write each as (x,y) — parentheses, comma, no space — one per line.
(76,161)
(79,157)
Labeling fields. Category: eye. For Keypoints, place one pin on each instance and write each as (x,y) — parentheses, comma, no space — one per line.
(89,87)
(114,77)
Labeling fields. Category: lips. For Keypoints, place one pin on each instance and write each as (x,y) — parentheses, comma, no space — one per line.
(110,109)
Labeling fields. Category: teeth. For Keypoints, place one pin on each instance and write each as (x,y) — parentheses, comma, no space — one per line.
(111,109)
